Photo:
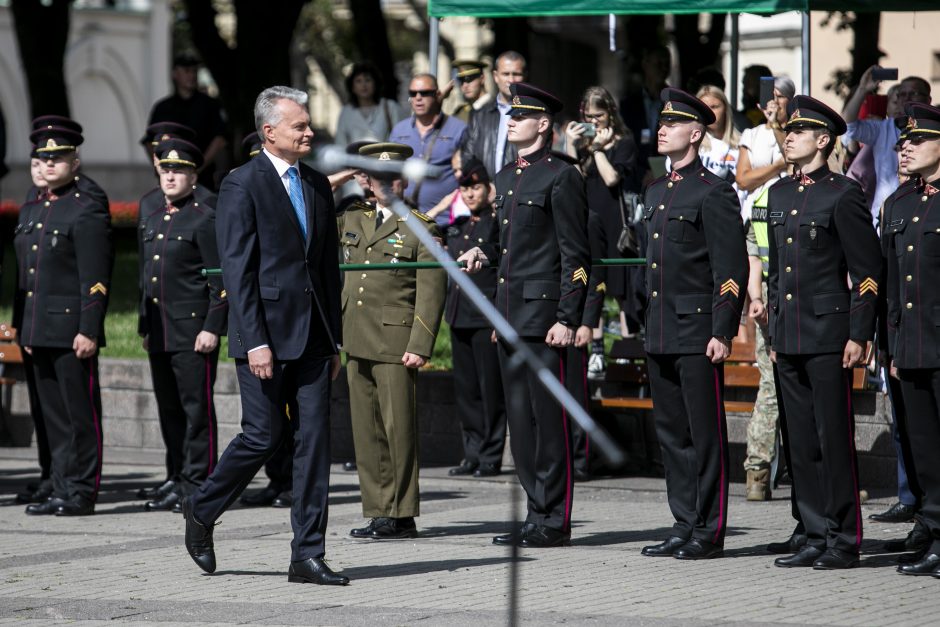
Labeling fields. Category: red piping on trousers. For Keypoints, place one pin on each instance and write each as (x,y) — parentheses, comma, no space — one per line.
(564,424)
(721,450)
(851,419)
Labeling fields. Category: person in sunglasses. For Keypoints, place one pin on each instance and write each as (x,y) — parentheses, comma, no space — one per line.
(469,77)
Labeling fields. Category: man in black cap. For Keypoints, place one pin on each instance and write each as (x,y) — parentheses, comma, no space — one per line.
(469,76)
(544,262)
(821,238)
(696,276)
(182,315)
(202,113)
(911,242)
(161,131)
(478,388)
(65,257)
(84,184)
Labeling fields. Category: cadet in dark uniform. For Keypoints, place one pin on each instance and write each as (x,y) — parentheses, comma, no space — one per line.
(65,255)
(390,322)
(544,262)
(161,131)
(478,387)
(696,278)
(912,250)
(182,315)
(84,184)
(820,238)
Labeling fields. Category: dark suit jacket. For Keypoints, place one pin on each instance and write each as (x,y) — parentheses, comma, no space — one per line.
(276,281)
(463,235)
(480,139)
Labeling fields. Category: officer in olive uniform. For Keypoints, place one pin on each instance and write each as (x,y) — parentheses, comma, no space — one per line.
(696,278)
(478,387)
(390,322)
(820,238)
(911,241)
(84,184)
(65,256)
(544,263)
(182,316)
(468,72)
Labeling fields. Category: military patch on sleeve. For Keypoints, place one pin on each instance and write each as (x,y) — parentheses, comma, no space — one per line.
(601,287)
(580,275)
(868,285)
(729,286)
(98,288)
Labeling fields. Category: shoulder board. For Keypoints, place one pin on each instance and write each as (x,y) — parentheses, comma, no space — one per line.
(422,216)
(706,176)
(901,192)
(839,181)
(359,205)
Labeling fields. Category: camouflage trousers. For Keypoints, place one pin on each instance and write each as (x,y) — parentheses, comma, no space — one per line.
(762,427)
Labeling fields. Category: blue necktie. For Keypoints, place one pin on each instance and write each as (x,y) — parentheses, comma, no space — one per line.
(296,193)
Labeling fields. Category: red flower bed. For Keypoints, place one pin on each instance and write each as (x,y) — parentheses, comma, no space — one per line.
(123,212)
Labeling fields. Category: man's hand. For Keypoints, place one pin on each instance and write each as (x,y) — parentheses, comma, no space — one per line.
(336,364)
(758,312)
(853,355)
(261,363)
(866,84)
(410,360)
(893,370)
(718,349)
(206,342)
(559,336)
(773,355)
(475,260)
(493,336)
(29,349)
(583,336)
(84,346)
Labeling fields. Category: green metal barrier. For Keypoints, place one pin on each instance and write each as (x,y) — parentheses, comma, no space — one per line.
(420,265)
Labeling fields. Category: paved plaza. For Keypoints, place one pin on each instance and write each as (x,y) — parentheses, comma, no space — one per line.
(125,566)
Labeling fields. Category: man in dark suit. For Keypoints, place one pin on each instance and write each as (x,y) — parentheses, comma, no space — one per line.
(279,251)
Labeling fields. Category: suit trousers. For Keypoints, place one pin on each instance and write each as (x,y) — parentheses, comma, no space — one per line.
(540,435)
(385,436)
(279,467)
(35,410)
(183,383)
(70,398)
(478,391)
(689,412)
(921,387)
(577,384)
(817,398)
(785,447)
(306,379)
(909,490)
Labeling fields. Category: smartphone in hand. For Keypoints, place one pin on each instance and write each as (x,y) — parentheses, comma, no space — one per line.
(590,130)
(884,74)
(766,91)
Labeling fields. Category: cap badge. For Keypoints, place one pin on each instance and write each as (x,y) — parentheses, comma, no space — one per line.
(50,143)
(385,157)
(164,137)
(912,122)
(172,155)
(667,106)
(516,100)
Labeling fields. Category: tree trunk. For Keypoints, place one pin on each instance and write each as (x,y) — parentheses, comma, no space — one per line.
(866,28)
(42,32)
(372,41)
(697,50)
(511,33)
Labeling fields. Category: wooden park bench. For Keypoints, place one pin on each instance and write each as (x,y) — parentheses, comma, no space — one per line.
(11,364)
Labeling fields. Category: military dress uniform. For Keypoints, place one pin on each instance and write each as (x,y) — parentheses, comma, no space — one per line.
(83,183)
(544,263)
(696,276)
(387,313)
(478,387)
(911,241)
(177,303)
(65,256)
(467,70)
(820,237)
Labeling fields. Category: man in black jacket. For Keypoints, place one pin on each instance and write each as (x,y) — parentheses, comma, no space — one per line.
(544,263)
(486,137)
(279,252)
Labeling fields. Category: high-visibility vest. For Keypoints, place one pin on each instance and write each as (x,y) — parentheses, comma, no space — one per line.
(759,220)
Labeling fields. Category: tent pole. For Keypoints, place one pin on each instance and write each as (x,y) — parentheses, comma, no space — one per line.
(434,45)
(735,48)
(805,48)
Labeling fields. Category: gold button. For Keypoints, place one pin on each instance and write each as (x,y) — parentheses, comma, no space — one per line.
(480,240)
(166,218)
(916,218)
(661,207)
(502,280)
(509,193)
(789,296)
(669,184)
(908,278)
(466,237)
(923,199)
(156,257)
(800,188)
(653,266)
(160,236)
(793,213)
(369,249)
(367,261)
(518,170)
(910,247)
(789,268)
(655,294)
(361,290)
(48,203)
(67,310)
(543,296)
(910,305)
(789,240)
(193,314)
(39,226)
(77,194)
(179,237)
(396,254)
(655,235)
(698,310)
(358,303)
(682,217)
(505,221)
(153,280)
(35,247)
(529,203)
(29,293)
(156,300)
(363,275)
(55,232)
(32,270)
(505,251)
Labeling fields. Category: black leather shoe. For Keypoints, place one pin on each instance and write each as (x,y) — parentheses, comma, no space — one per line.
(928,565)
(349,466)
(582,476)
(918,540)
(664,549)
(198,539)
(284,499)
(40,494)
(76,507)
(465,468)
(155,492)
(696,549)
(394,529)
(487,470)
(897,513)
(315,570)
(804,558)
(46,508)
(262,498)
(508,539)
(364,532)
(165,503)
(796,542)
(178,508)
(543,537)
(834,559)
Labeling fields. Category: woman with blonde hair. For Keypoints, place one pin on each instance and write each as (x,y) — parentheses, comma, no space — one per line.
(719,149)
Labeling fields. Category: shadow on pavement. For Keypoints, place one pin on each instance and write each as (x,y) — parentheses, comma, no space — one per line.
(397,570)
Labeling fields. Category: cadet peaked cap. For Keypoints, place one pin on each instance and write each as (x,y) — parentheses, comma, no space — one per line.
(60,121)
(160,131)
(528,98)
(353,147)
(473,172)
(681,106)
(387,151)
(252,144)
(468,69)
(53,140)
(178,153)
(923,121)
(807,112)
